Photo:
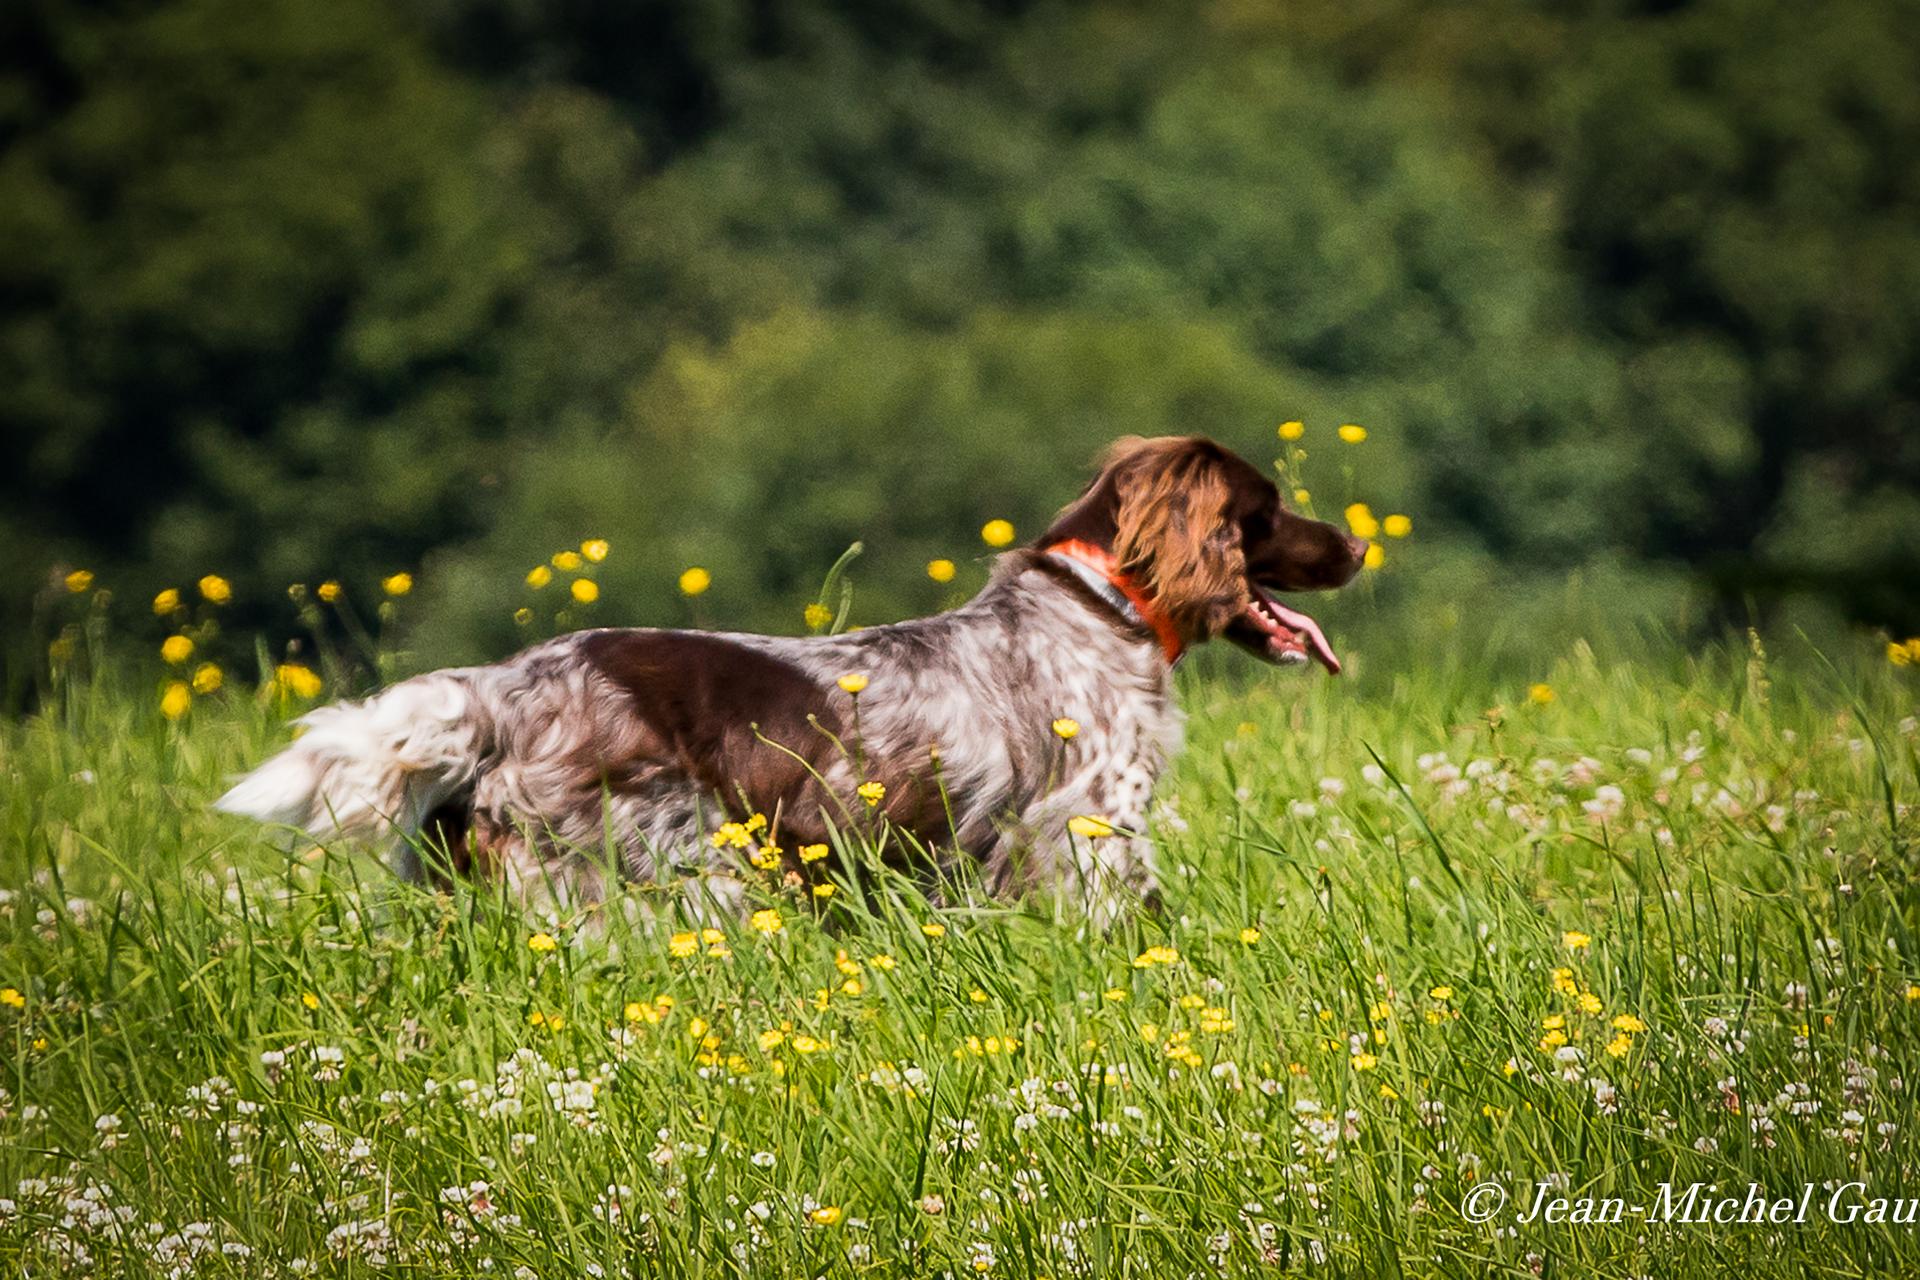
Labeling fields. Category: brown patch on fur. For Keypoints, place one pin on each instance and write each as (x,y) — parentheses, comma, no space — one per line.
(747,727)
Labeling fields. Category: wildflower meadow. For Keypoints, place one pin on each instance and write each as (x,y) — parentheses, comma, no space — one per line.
(1437,946)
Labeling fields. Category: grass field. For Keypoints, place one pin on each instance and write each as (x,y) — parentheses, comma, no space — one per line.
(1654,922)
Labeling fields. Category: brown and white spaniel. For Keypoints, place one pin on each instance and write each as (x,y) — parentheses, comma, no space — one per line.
(627,749)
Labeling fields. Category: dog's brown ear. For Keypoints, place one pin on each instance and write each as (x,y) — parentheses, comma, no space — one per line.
(1173,532)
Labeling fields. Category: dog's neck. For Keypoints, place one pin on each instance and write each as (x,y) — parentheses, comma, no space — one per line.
(1100,570)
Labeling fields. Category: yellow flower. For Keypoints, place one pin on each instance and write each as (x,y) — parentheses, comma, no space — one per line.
(328,591)
(813,852)
(79,580)
(1589,1002)
(977,996)
(11,997)
(816,615)
(682,945)
(595,549)
(585,590)
(1899,654)
(1089,828)
(207,678)
(1396,526)
(1115,994)
(176,701)
(297,680)
(1620,1046)
(767,921)
(523,617)
(997,533)
(1292,430)
(1552,1040)
(397,584)
(1627,1022)
(1574,940)
(934,929)
(1156,955)
(1553,1021)
(853,682)
(1913,991)
(1364,1062)
(539,576)
(1376,555)
(1249,935)
(827,1215)
(175,650)
(1540,694)
(566,561)
(940,570)
(1302,497)
(1563,982)
(1066,727)
(1352,432)
(166,602)
(694,581)
(310,1000)
(542,942)
(1441,993)
(872,792)
(823,891)
(216,589)
(1361,520)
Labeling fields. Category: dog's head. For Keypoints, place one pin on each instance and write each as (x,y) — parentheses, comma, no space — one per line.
(1206,537)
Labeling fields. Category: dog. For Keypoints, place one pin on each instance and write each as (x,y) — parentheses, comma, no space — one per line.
(1024,729)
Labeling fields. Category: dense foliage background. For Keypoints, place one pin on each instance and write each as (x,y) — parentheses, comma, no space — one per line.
(294,291)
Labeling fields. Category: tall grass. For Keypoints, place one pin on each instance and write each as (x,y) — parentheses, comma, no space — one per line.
(1421,932)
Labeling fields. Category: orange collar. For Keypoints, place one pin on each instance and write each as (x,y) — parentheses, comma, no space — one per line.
(1137,603)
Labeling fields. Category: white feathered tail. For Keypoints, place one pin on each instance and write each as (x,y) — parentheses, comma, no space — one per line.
(378,766)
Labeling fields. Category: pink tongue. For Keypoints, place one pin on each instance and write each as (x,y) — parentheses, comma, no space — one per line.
(1300,622)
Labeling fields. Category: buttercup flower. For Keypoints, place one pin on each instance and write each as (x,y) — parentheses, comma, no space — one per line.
(813,852)
(79,580)
(940,570)
(1066,726)
(328,591)
(934,929)
(1360,519)
(166,602)
(1540,694)
(595,549)
(872,792)
(1574,940)
(1292,430)
(816,615)
(1088,827)
(539,576)
(176,701)
(1249,935)
(297,680)
(584,590)
(1352,432)
(694,581)
(997,533)
(175,650)
(767,921)
(853,682)
(215,589)
(207,678)
(566,561)
(542,943)
(1396,526)
(397,584)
